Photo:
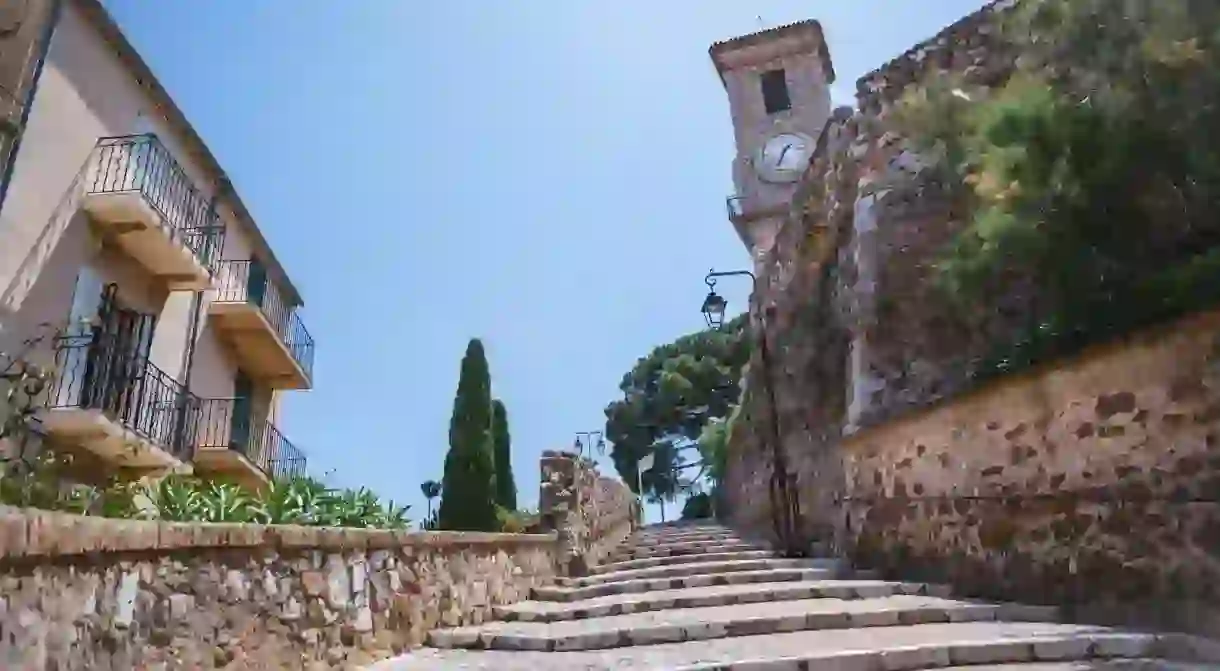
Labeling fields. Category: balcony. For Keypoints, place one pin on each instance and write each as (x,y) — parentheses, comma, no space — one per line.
(137,194)
(266,333)
(233,443)
(118,405)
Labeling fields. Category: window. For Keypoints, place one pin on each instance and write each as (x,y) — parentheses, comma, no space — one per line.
(775,91)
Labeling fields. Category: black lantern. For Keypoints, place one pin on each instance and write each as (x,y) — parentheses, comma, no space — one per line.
(600,444)
(713,308)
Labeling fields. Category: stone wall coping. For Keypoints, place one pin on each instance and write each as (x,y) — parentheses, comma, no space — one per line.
(38,533)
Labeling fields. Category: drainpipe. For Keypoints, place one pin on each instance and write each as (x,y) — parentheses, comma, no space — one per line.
(44,46)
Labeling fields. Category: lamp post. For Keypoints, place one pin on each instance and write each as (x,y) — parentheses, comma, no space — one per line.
(785,506)
(588,436)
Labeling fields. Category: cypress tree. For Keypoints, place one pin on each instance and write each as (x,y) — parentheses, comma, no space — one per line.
(468,498)
(506,486)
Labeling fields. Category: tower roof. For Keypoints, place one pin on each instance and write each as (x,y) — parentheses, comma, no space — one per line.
(809,27)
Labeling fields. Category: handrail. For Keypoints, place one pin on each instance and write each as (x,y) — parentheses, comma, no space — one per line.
(141,164)
(235,285)
(126,387)
(223,423)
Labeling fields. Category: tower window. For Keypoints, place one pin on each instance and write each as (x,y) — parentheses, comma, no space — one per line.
(775,91)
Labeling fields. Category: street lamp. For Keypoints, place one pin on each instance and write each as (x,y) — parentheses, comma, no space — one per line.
(714,305)
(588,436)
(785,505)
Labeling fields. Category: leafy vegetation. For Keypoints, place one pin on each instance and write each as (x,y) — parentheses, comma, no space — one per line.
(468,501)
(506,485)
(1092,175)
(698,506)
(713,451)
(515,521)
(301,500)
(669,397)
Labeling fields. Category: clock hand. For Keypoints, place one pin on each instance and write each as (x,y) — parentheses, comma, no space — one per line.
(780,161)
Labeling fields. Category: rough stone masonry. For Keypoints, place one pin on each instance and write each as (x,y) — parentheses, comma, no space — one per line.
(90,593)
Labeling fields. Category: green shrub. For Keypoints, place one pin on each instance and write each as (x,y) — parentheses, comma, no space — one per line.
(697,507)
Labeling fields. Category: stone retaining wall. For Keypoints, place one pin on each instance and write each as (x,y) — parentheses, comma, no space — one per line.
(89,593)
(797,302)
(1094,484)
(591,513)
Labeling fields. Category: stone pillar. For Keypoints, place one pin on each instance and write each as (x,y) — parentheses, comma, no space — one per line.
(558,507)
(863,382)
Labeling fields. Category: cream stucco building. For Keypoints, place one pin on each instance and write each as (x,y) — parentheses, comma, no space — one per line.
(180,328)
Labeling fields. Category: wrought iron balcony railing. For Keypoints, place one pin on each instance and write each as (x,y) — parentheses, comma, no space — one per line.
(287,461)
(230,423)
(141,164)
(96,374)
(247,282)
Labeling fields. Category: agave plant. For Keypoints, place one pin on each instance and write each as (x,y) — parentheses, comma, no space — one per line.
(294,501)
(226,502)
(175,498)
(352,508)
(393,517)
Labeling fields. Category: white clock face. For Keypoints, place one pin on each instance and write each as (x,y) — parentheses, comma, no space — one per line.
(783,157)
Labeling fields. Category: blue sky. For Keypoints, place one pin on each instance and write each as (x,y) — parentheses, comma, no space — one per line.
(547,175)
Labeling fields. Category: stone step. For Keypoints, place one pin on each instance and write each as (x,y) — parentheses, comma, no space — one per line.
(649,562)
(683,538)
(751,619)
(898,648)
(716,595)
(570,594)
(650,532)
(697,568)
(697,547)
(677,525)
(1143,664)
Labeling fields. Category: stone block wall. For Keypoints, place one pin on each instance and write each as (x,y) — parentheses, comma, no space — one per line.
(591,513)
(795,307)
(1094,484)
(88,593)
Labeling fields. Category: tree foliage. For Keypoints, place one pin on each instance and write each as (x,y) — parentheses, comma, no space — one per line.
(697,506)
(1095,167)
(668,397)
(506,485)
(468,499)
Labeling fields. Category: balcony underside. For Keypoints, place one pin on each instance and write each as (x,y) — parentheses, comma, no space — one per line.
(260,351)
(230,465)
(108,439)
(138,230)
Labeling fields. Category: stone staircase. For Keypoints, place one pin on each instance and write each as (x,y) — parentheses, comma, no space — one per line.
(698,597)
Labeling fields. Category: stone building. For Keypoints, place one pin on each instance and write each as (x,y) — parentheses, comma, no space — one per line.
(176,328)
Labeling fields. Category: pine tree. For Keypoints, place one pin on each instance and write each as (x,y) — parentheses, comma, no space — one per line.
(468,500)
(506,486)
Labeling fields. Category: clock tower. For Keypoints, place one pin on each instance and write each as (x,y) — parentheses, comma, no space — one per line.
(778,82)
